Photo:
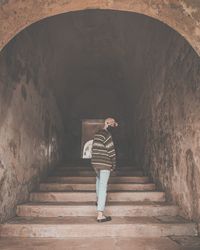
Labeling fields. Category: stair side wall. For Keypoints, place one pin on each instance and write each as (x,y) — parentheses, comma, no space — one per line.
(31,128)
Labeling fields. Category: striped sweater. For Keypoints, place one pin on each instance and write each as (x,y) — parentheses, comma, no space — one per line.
(103,151)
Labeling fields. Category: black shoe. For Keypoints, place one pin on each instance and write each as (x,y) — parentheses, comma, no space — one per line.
(107,218)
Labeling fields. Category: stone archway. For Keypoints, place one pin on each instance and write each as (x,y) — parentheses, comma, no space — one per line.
(183,16)
(180,15)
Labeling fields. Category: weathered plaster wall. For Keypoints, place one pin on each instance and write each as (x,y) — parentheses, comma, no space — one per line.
(30,124)
(173,125)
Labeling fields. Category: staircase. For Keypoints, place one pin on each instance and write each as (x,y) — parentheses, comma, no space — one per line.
(64,206)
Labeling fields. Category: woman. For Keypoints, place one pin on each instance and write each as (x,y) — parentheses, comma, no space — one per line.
(103,161)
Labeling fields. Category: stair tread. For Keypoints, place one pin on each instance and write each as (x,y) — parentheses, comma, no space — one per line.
(83,243)
(91,195)
(90,167)
(92,186)
(112,176)
(93,183)
(92,179)
(92,170)
(87,220)
(93,191)
(92,203)
(88,175)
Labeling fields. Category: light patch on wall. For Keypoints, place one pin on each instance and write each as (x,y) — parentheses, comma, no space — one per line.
(89,128)
(188,9)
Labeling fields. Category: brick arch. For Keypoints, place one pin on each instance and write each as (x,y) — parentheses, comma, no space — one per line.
(183,16)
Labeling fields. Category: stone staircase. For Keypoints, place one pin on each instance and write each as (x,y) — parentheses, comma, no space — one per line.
(64,206)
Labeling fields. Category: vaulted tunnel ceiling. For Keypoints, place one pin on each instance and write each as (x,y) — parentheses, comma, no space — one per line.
(92,51)
(99,62)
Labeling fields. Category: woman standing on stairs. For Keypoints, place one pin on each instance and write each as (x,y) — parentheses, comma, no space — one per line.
(103,161)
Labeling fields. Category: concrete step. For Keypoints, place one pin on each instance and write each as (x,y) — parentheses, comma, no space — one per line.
(63,172)
(92,179)
(85,196)
(56,209)
(89,168)
(88,227)
(108,243)
(90,186)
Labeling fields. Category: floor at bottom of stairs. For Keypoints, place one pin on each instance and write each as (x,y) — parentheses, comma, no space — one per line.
(108,243)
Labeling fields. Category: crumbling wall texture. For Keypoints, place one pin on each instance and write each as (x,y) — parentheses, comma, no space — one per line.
(30,125)
(173,125)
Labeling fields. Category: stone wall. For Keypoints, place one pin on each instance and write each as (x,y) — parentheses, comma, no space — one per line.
(173,125)
(30,125)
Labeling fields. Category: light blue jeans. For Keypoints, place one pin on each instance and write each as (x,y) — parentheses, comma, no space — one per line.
(101,188)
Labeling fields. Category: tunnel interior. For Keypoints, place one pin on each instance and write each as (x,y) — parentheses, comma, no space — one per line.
(95,64)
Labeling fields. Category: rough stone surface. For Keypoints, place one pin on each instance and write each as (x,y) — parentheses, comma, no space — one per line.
(136,209)
(80,226)
(85,179)
(110,243)
(92,187)
(91,196)
(187,241)
(30,125)
(173,127)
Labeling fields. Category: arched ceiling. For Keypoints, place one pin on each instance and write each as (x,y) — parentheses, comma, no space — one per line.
(182,15)
(90,53)
(98,63)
